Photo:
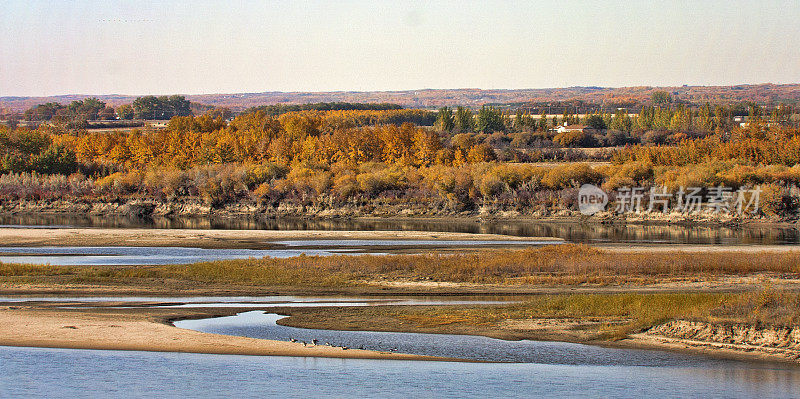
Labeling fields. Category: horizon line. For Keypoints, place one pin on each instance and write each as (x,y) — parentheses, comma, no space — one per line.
(399,90)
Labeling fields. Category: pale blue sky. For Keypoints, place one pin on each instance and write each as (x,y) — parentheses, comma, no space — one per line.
(193,47)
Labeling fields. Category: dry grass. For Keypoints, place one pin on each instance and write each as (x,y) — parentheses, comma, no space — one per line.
(611,315)
(551,265)
(629,311)
(769,306)
(604,316)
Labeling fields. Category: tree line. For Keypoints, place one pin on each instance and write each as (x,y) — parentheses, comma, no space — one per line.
(466,160)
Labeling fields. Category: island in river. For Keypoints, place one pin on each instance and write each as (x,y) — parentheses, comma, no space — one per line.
(737,301)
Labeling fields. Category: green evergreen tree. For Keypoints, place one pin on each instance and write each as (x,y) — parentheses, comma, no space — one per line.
(542,122)
(490,120)
(464,121)
(444,120)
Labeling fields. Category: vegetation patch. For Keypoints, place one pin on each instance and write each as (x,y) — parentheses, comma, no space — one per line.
(556,265)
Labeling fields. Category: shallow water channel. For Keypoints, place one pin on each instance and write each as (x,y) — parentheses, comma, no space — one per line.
(120,256)
(261,324)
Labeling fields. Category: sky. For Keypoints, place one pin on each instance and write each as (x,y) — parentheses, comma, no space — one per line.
(196,47)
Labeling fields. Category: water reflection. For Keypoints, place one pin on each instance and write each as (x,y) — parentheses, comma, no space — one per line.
(575,232)
(756,378)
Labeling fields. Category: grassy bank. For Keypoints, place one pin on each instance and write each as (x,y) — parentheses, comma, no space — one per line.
(563,265)
(574,317)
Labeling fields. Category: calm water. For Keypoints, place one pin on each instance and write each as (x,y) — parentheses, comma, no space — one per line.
(73,256)
(573,232)
(258,324)
(540,369)
(259,301)
(66,373)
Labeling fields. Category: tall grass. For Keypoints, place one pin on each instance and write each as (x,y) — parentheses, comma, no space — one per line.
(769,306)
(624,312)
(609,316)
(553,265)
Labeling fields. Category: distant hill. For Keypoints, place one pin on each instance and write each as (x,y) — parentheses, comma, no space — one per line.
(433,98)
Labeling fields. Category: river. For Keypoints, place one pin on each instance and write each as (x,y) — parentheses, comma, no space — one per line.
(529,368)
(67,373)
(526,368)
(590,233)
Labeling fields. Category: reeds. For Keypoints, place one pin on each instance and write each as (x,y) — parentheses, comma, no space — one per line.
(551,265)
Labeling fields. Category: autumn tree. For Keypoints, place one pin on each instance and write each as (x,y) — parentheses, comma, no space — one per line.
(86,109)
(125,111)
(621,121)
(481,153)
(426,147)
(43,112)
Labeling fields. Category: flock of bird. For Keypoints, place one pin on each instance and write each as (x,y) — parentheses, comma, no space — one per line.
(314,342)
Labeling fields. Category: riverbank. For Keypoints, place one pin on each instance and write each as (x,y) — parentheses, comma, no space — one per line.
(633,321)
(721,339)
(143,331)
(141,328)
(211,239)
(379,210)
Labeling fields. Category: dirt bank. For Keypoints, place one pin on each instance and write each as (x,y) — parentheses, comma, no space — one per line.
(760,341)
